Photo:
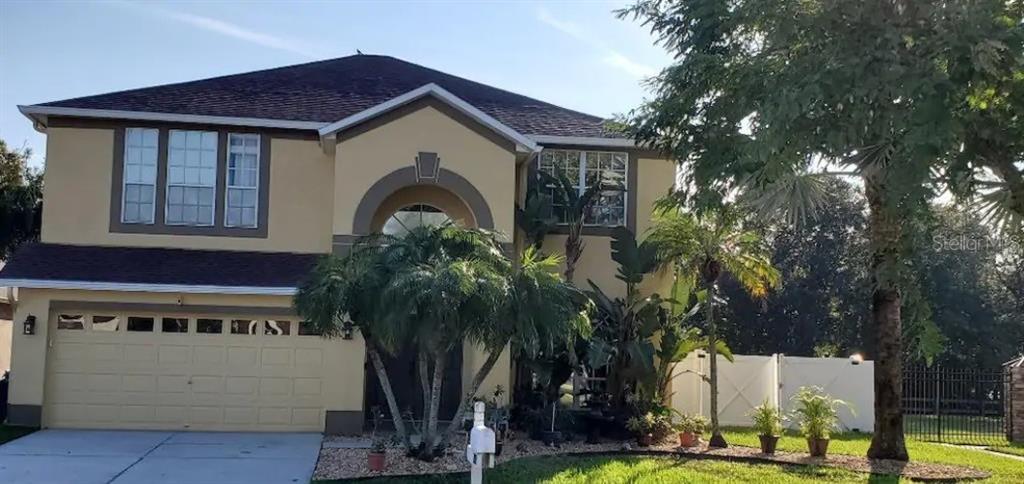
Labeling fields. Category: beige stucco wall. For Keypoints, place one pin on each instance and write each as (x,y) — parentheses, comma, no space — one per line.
(79,163)
(344,358)
(364,159)
(6,330)
(654,178)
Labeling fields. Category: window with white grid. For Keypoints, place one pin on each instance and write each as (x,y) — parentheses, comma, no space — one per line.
(586,169)
(243,180)
(191,177)
(139,189)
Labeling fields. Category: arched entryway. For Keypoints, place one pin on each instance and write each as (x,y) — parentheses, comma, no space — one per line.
(399,212)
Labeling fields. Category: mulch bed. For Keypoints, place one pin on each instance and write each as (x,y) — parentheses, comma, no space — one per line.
(351,463)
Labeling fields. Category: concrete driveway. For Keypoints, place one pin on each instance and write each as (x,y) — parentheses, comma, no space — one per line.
(144,457)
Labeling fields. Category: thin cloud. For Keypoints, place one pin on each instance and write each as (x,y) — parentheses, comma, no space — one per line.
(624,63)
(612,57)
(231,30)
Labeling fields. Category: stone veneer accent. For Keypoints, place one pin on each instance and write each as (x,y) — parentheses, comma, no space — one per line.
(1014,402)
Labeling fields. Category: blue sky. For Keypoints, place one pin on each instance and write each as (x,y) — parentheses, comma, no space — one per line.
(572,53)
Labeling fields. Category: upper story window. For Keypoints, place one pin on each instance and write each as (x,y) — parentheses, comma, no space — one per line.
(139,180)
(191,177)
(587,169)
(243,180)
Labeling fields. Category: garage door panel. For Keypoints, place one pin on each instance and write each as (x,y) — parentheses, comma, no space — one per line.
(140,353)
(208,355)
(275,387)
(119,379)
(276,357)
(242,356)
(138,414)
(174,355)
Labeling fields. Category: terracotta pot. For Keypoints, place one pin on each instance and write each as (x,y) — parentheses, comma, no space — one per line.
(768,443)
(644,440)
(817,447)
(375,461)
(688,439)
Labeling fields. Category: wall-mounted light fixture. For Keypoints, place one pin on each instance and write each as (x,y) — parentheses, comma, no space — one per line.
(29,326)
(347,328)
(856,359)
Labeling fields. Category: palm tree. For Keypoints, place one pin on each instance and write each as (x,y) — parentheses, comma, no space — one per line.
(437,288)
(339,294)
(703,247)
(573,208)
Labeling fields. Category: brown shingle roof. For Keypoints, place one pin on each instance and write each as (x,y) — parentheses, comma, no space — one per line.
(327,91)
(136,265)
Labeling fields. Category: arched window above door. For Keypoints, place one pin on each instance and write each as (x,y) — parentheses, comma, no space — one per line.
(412,216)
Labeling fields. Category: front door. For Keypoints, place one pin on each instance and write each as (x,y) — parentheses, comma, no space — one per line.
(405,383)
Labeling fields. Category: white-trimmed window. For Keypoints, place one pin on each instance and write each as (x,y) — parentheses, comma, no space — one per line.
(242,200)
(191,177)
(590,168)
(139,181)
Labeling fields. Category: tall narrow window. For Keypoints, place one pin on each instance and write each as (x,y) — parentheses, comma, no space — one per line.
(243,179)
(139,189)
(586,169)
(191,177)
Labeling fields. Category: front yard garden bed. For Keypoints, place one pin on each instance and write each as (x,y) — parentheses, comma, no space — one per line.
(351,463)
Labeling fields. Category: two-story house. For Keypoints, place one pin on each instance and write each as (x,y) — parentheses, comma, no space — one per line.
(179,220)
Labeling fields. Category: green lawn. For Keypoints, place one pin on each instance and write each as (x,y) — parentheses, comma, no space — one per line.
(623,469)
(8,433)
(1015,449)
(958,429)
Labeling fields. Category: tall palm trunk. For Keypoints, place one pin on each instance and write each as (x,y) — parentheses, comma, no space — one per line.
(885,233)
(717,440)
(429,441)
(423,368)
(389,395)
(573,248)
(474,385)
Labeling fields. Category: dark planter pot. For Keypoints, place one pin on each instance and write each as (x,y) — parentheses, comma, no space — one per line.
(375,461)
(644,440)
(497,447)
(768,443)
(552,437)
(688,439)
(817,447)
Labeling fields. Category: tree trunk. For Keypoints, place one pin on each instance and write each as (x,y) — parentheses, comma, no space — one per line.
(573,248)
(885,234)
(389,395)
(423,368)
(717,440)
(474,385)
(428,441)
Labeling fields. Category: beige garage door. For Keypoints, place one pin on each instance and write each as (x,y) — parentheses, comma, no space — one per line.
(183,371)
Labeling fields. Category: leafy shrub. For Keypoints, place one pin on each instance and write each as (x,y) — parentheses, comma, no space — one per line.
(658,426)
(767,419)
(696,424)
(817,412)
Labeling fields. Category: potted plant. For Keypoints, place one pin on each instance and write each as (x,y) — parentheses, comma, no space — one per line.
(650,428)
(767,421)
(552,436)
(641,427)
(817,412)
(690,427)
(375,460)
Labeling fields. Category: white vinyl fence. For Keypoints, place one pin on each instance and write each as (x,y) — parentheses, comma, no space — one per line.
(752,380)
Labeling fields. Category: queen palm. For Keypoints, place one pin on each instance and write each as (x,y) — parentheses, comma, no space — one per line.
(437,288)
(703,247)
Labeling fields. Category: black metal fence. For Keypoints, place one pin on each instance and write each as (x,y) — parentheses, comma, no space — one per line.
(953,405)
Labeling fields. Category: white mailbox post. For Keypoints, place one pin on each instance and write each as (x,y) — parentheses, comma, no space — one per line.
(480,451)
